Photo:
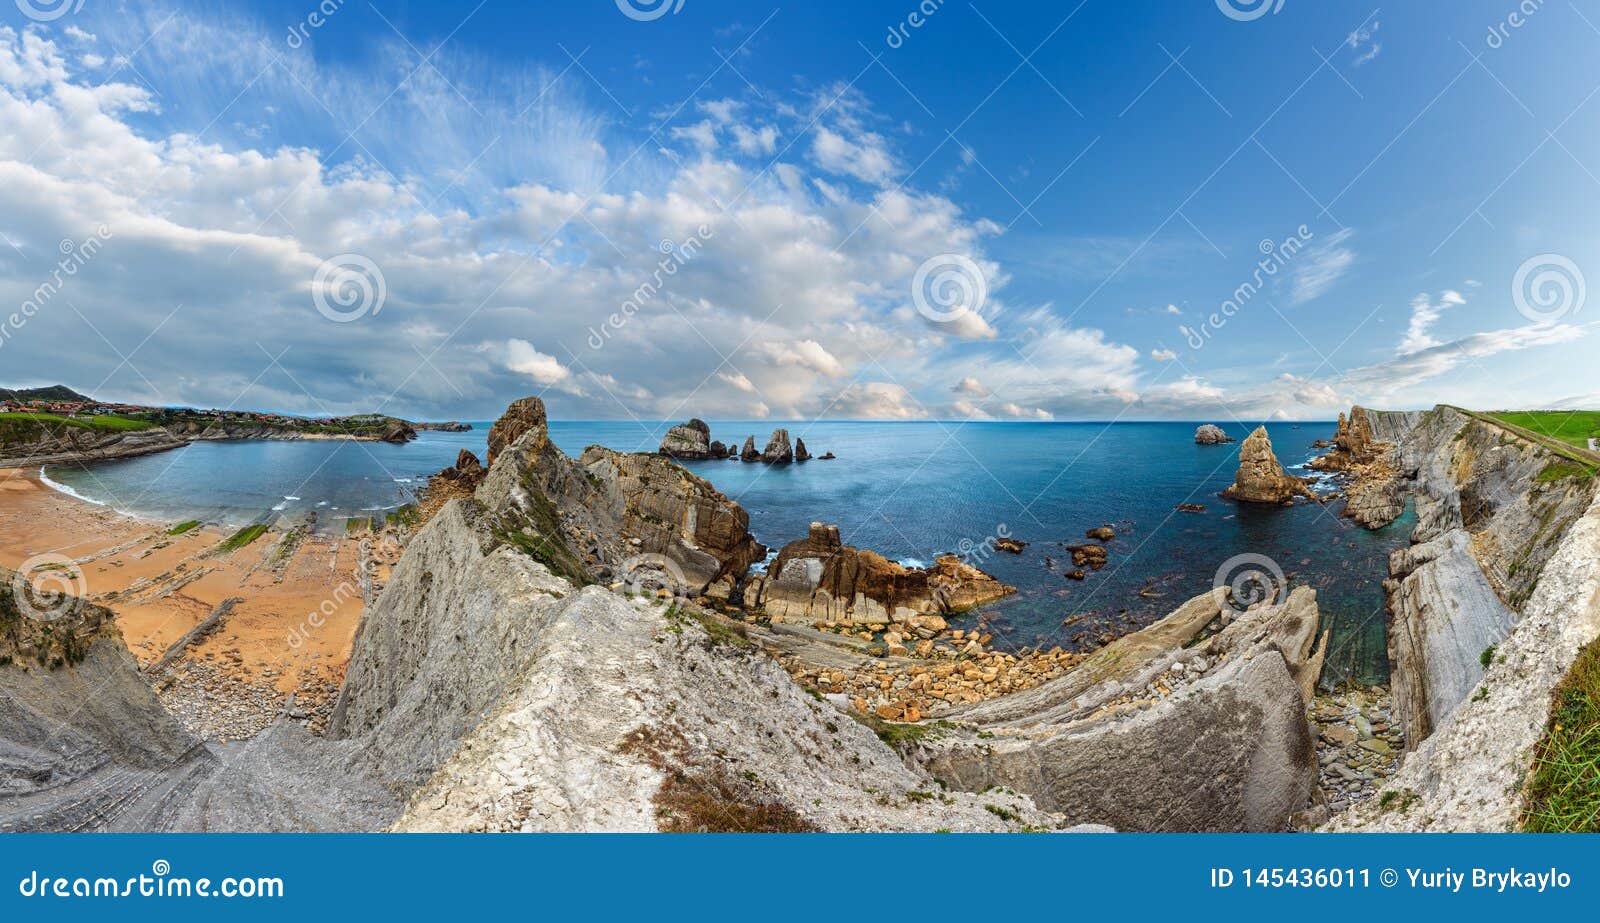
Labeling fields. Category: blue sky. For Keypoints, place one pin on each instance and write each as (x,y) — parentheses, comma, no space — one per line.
(431,209)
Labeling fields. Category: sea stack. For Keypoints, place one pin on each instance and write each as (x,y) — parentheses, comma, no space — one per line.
(1210,434)
(749,453)
(690,441)
(800,453)
(1261,478)
(778,451)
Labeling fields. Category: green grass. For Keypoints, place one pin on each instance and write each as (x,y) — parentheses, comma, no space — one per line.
(1574,427)
(1561,470)
(244,537)
(1563,791)
(28,425)
(183,527)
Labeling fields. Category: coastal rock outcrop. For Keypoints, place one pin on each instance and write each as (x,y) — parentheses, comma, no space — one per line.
(749,453)
(81,732)
(41,444)
(398,432)
(1196,723)
(819,578)
(1211,434)
(1261,478)
(595,517)
(800,453)
(778,450)
(1375,492)
(522,416)
(690,441)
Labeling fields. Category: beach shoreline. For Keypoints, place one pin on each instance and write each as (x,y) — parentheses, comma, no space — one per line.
(300,598)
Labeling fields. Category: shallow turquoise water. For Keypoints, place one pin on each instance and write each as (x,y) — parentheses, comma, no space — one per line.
(907,490)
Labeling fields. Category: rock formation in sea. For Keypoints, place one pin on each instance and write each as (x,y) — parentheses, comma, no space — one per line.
(1195,723)
(1374,493)
(749,453)
(690,441)
(1211,434)
(1261,479)
(800,453)
(820,579)
(778,450)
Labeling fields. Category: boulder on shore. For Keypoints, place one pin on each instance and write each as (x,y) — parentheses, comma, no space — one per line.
(1261,478)
(819,578)
(1210,434)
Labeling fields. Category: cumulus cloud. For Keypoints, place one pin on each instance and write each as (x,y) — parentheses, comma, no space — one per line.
(806,354)
(1163,355)
(970,386)
(521,357)
(877,400)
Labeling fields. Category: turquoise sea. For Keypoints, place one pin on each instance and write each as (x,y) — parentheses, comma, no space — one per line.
(907,490)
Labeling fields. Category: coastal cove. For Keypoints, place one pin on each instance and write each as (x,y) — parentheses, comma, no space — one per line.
(907,490)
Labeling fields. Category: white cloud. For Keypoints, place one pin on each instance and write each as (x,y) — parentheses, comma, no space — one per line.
(738,380)
(877,400)
(970,386)
(864,157)
(1173,310)
(806,354)
(1363,43)
(1163,355)
(1424,314)
(522,358)
(1321,266)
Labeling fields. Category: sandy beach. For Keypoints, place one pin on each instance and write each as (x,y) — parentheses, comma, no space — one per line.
(299,601)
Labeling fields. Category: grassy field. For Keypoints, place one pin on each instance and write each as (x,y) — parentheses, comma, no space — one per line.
(1563,791)
(30,425)
(1574,427)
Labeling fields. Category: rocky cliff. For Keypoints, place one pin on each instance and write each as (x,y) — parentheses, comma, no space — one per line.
(1197,723)
(1469,774)
(1492,509)
(68,444)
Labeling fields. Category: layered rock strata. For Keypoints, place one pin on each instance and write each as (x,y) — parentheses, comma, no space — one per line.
(821,579)
(1195,723)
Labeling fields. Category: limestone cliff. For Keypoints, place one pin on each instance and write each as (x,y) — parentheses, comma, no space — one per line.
(1490,515)
(1468,775)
